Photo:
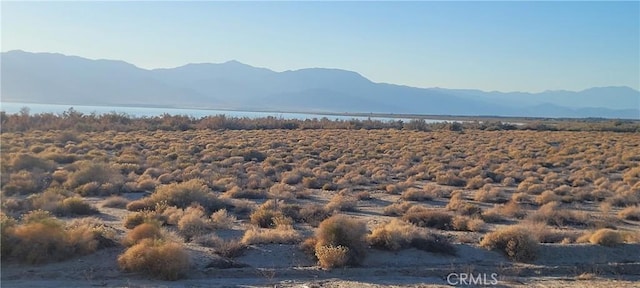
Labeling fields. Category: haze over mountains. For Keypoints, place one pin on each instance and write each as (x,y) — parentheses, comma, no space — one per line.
(59,79)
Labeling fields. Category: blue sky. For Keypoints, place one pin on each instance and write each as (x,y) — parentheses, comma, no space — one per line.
(504,46)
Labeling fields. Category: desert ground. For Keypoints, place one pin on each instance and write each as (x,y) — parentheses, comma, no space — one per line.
(328,207)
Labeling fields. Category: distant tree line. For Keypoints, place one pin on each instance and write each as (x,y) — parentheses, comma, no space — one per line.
(74,120)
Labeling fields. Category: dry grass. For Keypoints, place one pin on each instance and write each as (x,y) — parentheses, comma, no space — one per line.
(275,236)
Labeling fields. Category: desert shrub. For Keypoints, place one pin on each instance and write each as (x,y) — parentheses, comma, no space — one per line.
(282,191)
(148,230)
(308,246)
(509,181)
(463,223)
(341,202)
(520,197)
(475,182)
(489,194)
(313,214)
(313,183)
(141,204)
(455,201)
(172,214)
(393,235)
(363,196)
(49,200)
(398,234)
(341,230)
(277,236)
(630,213)
(43,238)
(193,223)
(226,248)
(136,218)
(450,179)
(291,178)
(332,256)
(157,258)
(146,184)
(75,206)
(516,242)
(606,237)
(431,218)
(22,161)
(7,224)
(24,182)
(397,209)
(237,193)
(551,214)
(546,197)
(221,219)
(230,248)
(395,188)
(330,186)
(545,234)
(104,177)
(503,211)
(264,217)
(115,202)
(457,204)
(183,194)
(414,194)
(60,176)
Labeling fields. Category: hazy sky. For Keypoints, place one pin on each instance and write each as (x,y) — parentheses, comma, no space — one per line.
(505,46)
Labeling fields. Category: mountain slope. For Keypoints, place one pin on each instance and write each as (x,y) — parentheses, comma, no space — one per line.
(60,79)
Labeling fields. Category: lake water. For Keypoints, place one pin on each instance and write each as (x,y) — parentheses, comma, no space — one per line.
(14,107)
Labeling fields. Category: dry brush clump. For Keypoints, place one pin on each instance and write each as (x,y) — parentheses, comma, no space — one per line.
(39,237)
(283,234)
(514,241)
(156,258)
(630,213)
(92,178)
(426,217)
(340,240)
(552,214)
(154,252)
(398,234)
(180,195)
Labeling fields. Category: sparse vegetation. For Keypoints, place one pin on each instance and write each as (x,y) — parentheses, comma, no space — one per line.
(235,184)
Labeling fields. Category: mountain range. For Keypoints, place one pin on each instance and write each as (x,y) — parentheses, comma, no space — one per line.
(59,79)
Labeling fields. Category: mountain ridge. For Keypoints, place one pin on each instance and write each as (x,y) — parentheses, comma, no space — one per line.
(46,77)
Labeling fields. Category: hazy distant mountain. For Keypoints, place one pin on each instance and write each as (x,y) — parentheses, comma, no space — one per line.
(59,79)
